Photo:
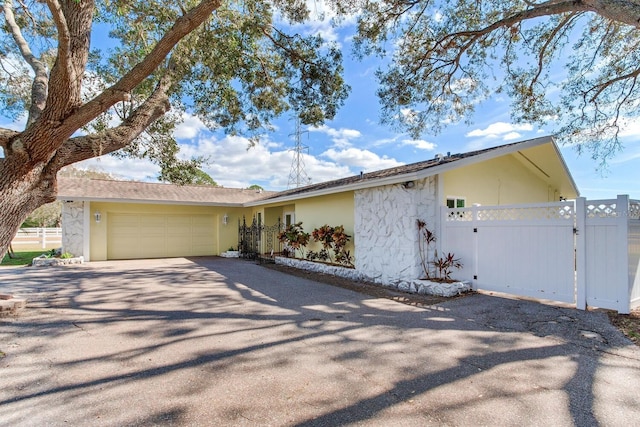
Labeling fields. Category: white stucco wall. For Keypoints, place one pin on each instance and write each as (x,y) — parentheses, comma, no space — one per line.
(385,229)
(73,228)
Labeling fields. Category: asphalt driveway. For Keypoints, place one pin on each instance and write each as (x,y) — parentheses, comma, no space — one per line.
(213,341)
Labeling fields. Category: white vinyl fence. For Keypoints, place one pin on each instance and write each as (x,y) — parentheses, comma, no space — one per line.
(41,237)
(583,253)
(611,250)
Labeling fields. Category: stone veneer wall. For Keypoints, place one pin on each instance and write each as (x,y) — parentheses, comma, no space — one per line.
(73,228)
(385,231)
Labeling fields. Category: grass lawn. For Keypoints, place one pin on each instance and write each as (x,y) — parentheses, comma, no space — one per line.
(21,258)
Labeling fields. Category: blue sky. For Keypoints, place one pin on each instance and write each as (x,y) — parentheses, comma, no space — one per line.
(355,141)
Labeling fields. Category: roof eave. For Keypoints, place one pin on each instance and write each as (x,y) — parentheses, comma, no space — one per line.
(412,176)
(565,167)
(360,185)
(148,202)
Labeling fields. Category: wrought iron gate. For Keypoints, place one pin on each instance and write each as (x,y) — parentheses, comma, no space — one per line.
(256,240)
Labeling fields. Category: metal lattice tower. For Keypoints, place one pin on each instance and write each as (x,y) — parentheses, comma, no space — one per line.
(298,176)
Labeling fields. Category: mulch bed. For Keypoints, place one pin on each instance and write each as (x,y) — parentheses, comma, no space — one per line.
(628,324)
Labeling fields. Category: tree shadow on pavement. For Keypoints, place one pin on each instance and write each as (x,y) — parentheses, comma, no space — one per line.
(210,339)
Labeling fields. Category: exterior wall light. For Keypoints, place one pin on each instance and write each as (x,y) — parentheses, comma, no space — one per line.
(225,219)
(98,217)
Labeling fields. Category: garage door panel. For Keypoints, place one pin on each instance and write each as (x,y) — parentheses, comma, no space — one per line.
(179,250)
(160,235)
(203,220)
(153,248)
(153,241)
(177,220)
(180,227)
(179,231)
(124,219)
(153,221)
(182,245)
(124,225)
(123,248)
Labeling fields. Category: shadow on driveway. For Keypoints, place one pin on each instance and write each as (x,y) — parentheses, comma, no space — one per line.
(213,341)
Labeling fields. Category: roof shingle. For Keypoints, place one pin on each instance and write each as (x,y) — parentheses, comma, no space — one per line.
(385,173)
(146,192)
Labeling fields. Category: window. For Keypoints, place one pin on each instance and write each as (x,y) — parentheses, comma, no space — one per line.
(456,202)
(289,218)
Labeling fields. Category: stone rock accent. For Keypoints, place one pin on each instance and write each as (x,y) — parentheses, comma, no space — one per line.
(41,261)
(422,287)
(318,267)
(385,232)
(427,287)
(230,254)
(73,227)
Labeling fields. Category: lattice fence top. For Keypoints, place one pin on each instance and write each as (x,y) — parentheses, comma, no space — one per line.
(564,210)
(634,209)
(529,214)
(461,215)
(602,209)
(526,213)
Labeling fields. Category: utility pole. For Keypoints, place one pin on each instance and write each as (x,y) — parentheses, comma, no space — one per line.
(298,176)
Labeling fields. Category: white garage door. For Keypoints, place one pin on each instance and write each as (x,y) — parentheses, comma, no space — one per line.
(132,236)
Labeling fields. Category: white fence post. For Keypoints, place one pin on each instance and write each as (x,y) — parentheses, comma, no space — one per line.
(581,255)
(44,237)
(475,216)
(622,270)
(440,237)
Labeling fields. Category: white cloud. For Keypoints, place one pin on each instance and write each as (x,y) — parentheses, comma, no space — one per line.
(420,144)
(496,133)
(361,159)
(630,128)
(190,127)
(408,115)
(321,28)
(511,136)
(234,164)
(341,137)
(463,85)
(628,157)
(499,130)
(385,141)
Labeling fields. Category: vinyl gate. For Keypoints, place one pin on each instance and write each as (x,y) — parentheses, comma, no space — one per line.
(526,250)
(579,253)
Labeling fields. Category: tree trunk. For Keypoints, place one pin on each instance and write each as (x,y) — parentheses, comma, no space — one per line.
(33,157)
(21,192)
